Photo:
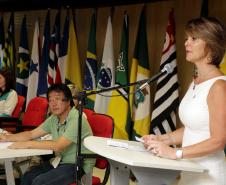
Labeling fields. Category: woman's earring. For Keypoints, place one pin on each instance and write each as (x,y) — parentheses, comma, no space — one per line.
(209,59)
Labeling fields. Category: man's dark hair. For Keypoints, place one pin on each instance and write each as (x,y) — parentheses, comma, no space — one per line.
(61,88)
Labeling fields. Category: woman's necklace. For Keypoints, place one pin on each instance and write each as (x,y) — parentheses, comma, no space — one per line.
(204,77)
(194,91)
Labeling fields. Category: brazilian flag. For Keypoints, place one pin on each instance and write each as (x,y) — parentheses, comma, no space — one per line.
(90,73)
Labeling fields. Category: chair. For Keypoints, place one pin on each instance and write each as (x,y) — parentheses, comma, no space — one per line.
(9,122)
(18,109)
(102,126)
(88,112)
(34,115)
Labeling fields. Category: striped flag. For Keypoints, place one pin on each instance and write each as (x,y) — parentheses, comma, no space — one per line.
(91,63)
(139,71)
(122,121)
(9,56)
(34,65)
(106,76)
(23,63)
(43,65)
(54,52)
(73,69)
(62,59)
(2,42)
(166,99)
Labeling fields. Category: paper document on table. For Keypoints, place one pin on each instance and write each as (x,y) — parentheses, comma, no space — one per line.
(4,145)
(134,146)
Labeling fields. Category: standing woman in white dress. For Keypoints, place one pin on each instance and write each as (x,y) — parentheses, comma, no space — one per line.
(203,108)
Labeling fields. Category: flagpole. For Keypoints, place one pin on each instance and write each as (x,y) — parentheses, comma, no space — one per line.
(81,102)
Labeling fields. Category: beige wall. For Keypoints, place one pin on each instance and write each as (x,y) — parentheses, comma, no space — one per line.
(157,17)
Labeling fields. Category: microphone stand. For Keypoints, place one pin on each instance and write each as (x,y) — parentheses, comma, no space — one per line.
(81,102)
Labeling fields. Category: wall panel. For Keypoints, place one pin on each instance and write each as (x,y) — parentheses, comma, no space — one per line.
(157,17)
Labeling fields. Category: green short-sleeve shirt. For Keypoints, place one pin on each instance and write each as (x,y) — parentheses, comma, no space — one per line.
(69,130)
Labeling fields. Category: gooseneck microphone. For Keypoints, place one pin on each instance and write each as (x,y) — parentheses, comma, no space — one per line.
(167,69)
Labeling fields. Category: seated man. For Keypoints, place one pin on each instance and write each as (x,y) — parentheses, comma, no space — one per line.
(62,124)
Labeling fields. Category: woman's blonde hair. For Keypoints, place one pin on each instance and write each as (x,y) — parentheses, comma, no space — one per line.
(213,32)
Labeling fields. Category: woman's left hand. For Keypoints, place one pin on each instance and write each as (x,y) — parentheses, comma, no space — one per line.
(161,149)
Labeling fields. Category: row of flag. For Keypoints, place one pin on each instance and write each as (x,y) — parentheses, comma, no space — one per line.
(56,60)
(129,106)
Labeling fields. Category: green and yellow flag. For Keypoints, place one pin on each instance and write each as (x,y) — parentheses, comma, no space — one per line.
(73,69)
(120,97)
(223,65)
(140,101)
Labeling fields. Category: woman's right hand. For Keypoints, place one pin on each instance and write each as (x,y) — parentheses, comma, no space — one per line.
(150,137)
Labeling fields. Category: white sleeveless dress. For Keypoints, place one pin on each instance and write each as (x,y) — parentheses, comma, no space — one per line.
(194,114)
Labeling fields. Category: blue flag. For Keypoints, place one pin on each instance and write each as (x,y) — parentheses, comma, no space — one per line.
(23,63)
(43,68)
(54,51)
(61,64)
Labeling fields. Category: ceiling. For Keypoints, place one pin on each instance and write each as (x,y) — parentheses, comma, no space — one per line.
(21,5)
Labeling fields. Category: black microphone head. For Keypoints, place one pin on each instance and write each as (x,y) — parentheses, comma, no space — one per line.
(168,68)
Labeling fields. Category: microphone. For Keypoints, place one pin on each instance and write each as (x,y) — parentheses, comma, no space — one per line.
(167,69)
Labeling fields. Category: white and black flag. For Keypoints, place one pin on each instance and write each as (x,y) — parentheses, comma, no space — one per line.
(166,99)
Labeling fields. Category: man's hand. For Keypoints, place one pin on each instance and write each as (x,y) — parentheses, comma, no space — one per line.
(3,137)
(20,145)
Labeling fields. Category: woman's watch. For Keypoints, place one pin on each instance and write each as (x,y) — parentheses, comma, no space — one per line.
(179,153)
